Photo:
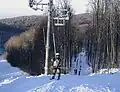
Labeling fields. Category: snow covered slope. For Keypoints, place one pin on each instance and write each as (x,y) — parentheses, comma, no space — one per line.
(70,83)
(13,80)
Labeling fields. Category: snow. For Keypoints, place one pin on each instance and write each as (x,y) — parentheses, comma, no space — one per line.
(8,81)
(106,71)
(14,80)
(80,84)
(3,60)
(6,69)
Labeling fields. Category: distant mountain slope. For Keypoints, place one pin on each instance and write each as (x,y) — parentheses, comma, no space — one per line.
(24,22)
(16,25)
(6,31)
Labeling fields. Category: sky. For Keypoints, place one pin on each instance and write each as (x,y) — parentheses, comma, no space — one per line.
(13,8)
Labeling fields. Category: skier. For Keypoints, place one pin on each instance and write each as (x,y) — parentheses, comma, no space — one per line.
(75,65)
(78,64)
(81,59)
(84,68)
(56,66)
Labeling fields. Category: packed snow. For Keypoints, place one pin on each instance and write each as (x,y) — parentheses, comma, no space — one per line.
(14,80)
(106,71)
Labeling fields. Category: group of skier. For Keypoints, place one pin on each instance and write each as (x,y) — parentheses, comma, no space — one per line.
(79,64)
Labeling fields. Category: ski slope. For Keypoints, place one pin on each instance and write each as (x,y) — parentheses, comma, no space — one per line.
(14,80)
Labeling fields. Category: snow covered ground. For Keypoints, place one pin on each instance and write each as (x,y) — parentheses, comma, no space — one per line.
(14,80)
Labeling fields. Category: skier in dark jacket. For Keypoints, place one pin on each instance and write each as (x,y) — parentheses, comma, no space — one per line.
(56,66)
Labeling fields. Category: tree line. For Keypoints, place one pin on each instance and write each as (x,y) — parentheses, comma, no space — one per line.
(103,34)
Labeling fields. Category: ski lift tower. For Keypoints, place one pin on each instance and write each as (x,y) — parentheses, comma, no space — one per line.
(35,5)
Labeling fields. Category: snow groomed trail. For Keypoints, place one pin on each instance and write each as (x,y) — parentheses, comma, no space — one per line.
(14,80)
(71,83)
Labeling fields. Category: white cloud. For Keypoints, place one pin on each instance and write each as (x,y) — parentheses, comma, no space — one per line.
(79,5)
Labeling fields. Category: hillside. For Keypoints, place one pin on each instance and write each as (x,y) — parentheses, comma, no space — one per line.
(6,31)
(17,25)
(23,22)
(32,21)
(14,26)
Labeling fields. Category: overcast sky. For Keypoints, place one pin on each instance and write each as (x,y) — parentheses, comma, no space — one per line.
(12,8)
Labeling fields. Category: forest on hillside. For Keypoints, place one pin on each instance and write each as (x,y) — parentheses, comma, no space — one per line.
(97,31)
(103,35)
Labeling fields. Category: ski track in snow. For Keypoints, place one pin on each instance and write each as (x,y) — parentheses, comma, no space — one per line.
(81,85)
(8,81)
(50,87)
(45,88)
(83,88)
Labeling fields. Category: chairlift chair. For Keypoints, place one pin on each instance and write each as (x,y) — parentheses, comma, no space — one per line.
(59,21)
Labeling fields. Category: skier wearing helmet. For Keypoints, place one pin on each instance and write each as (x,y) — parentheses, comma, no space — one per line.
(56,66)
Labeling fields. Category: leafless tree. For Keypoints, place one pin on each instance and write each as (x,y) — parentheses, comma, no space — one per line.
(104,47)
